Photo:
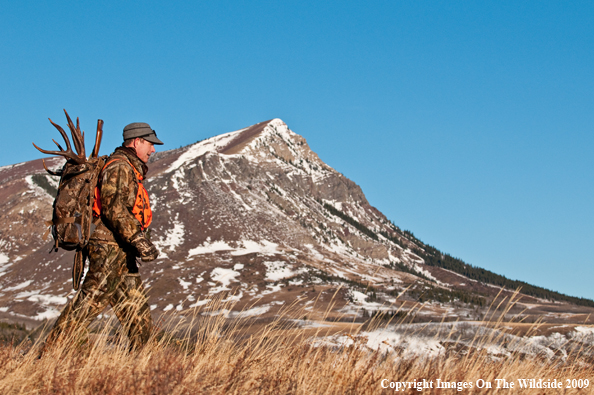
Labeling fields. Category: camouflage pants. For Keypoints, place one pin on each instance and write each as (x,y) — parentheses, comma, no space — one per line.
(112,279)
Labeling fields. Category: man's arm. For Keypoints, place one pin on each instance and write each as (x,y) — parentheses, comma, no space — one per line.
(118,194)
(119,188)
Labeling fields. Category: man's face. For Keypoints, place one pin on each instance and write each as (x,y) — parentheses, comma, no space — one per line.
(144,149)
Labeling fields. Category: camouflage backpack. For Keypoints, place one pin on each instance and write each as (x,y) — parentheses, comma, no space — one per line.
(72,217)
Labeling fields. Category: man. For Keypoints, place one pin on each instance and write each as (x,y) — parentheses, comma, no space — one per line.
(123,216)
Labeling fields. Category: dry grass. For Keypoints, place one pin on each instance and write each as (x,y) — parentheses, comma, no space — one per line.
(211,354)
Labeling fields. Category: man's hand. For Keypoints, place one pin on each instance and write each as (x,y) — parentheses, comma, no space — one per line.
(146,250)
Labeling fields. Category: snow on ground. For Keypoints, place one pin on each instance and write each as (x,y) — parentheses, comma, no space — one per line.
(223,276)
(48,314)
(212,144)
(181,186)
(251,312)
(48,302)
(48,299)
(236,195)
(53,181)
(427,340)
(36,190)
(265,247)
(314,252)
(416,267)
(310,324)
(254,311)
(209,247)
(4,265)
(338,247)
(2,168)
(358,297)
(277,270)
(19,286)
(386,340)
(584,333)
(199,303)
(174,237)
(184,284)
(543,345)
(270,289)
(588,330)
(359,303)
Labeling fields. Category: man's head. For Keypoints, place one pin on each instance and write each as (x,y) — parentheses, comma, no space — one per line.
(142,138)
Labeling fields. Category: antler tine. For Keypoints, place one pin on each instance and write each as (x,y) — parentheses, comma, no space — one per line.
(63,133)
(77,138)
(59,146)
(98,137)
(68,153)
(53,173)
(81,134)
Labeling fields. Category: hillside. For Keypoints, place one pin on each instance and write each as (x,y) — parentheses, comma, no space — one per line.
(256,217)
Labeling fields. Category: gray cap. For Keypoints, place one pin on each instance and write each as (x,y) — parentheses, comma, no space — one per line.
(143,130)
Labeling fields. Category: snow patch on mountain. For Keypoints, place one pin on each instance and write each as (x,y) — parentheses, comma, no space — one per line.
(36,190)
(212,144)
(185,284)
(314,252)
(223,276)
(48,299)
(174,237)
(208,248)
(49,314)
(10,167)
(22,285)
(3,259)
(278,270)
(265,247)
(181,186)
(254,311)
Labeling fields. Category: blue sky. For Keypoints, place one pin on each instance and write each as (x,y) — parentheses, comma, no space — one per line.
(468,123)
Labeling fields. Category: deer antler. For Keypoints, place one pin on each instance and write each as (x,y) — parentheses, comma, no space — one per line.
(77,138)
(95,152)
(53,173)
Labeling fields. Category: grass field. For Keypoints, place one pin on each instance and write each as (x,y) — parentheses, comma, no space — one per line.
(212,354)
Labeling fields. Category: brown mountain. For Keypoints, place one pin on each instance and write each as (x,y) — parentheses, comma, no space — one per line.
(256,217)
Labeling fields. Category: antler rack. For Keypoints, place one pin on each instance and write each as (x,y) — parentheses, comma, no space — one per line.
(78,139)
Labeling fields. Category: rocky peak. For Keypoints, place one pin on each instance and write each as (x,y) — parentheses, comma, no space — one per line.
(253,215)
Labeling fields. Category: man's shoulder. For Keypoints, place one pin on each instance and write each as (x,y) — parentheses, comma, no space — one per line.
(121,158)
(117,167)
(117,160)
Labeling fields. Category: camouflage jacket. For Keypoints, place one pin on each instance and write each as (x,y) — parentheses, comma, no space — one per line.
(118,186)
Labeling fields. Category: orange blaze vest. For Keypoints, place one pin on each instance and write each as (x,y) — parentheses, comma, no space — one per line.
(142,208)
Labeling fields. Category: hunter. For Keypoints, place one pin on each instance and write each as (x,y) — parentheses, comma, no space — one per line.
(118,244)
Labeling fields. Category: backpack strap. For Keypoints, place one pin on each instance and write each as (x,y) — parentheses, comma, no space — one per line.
(136,172)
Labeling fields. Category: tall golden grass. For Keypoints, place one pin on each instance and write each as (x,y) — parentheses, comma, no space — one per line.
(215,355)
